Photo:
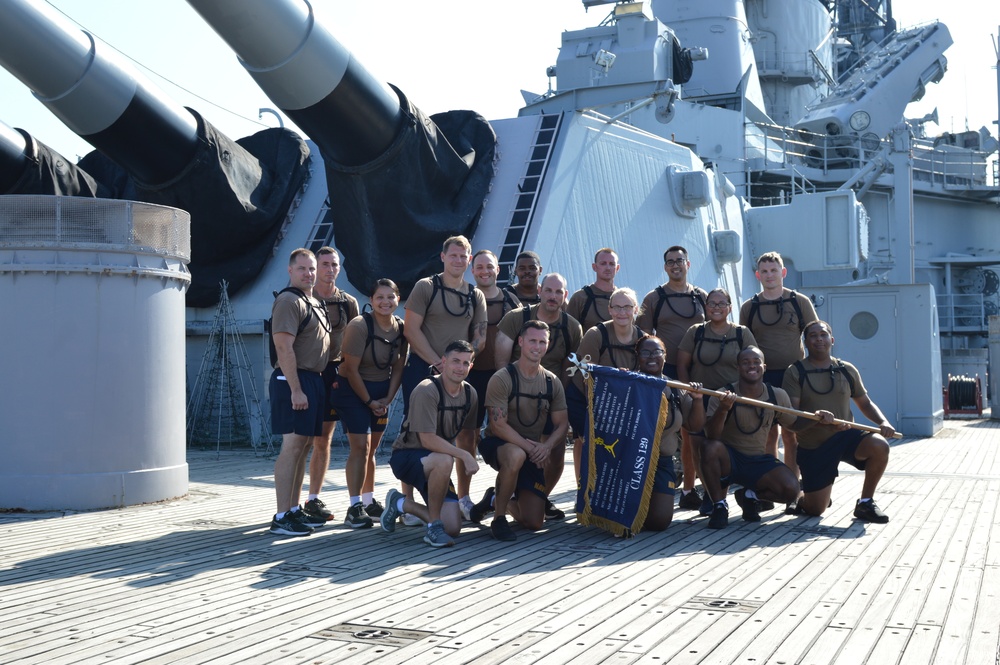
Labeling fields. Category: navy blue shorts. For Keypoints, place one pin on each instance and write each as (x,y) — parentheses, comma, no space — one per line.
(819,466)
(665,479)
(747,470)
(415,371)
(356,417)
(576,408)
(408,466)
(530,478)
(479,379)
(332,384)
(286,420)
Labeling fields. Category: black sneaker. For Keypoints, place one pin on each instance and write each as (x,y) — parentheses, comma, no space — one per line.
(706,506)
(690,500)
(483,508)
(311,521)
(289,526)
(867,511)
(374,509)
(357,518)
(720,517)
(553,513)
(751,507)
(500,528)
(317,508)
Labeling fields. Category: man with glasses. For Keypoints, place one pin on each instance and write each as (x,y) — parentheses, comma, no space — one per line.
(667,312)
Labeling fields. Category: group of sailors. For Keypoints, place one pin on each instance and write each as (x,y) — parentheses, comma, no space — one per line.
(468,352)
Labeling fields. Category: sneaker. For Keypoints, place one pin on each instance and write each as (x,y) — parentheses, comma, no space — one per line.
(553,513)
(465,505)
(317,508)
(706,507)
(500,528)
(411,520)
(388,517)
(720,517)
(357,518)
(751,507)
(867,511)
(689,500)
(311,521)
(374,509)
(288,525)
(483,508)
(763,505)
(436,536)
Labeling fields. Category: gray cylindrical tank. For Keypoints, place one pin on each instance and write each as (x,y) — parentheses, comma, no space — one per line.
(92,350)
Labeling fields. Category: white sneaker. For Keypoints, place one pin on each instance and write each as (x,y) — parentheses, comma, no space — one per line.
(411,520)
(465,505)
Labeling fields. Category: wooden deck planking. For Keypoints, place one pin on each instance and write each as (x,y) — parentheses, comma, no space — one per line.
(199,579)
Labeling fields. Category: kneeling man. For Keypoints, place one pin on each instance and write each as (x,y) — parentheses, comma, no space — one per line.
(526,404)
(735,450)
(442,408)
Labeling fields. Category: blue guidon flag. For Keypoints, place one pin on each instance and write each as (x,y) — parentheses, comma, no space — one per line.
(627,412)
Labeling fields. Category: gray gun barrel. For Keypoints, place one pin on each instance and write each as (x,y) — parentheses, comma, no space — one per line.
(96,93)
(311,76)
(28,166)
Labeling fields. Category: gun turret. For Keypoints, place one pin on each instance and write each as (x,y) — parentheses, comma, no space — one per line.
(154,150)
(400,182)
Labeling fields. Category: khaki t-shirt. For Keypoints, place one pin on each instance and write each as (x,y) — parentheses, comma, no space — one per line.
(426,417)
(598,310)
(496,309)
(377,359)
(747,426)
(777,326)
(679,311)
(312,346)
(558,351)
(528,412)
(451,316)
(617,354)
(827,389)
(713,358)
(341,308)
(668,439)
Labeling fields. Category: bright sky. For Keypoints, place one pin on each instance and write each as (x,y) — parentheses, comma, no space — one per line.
(455,54)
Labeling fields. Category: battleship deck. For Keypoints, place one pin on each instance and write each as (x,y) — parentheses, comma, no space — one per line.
(200,579)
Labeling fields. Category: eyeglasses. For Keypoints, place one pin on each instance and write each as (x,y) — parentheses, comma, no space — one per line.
(716,305)
(655,353)
(622,308)
(670,263)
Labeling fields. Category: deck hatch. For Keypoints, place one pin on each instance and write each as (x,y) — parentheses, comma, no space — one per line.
(369,634)
(723,604)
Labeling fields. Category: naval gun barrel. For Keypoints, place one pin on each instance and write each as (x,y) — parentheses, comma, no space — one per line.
(95,92)
(310,75)
(12,157)
(402,181)
(28,166)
